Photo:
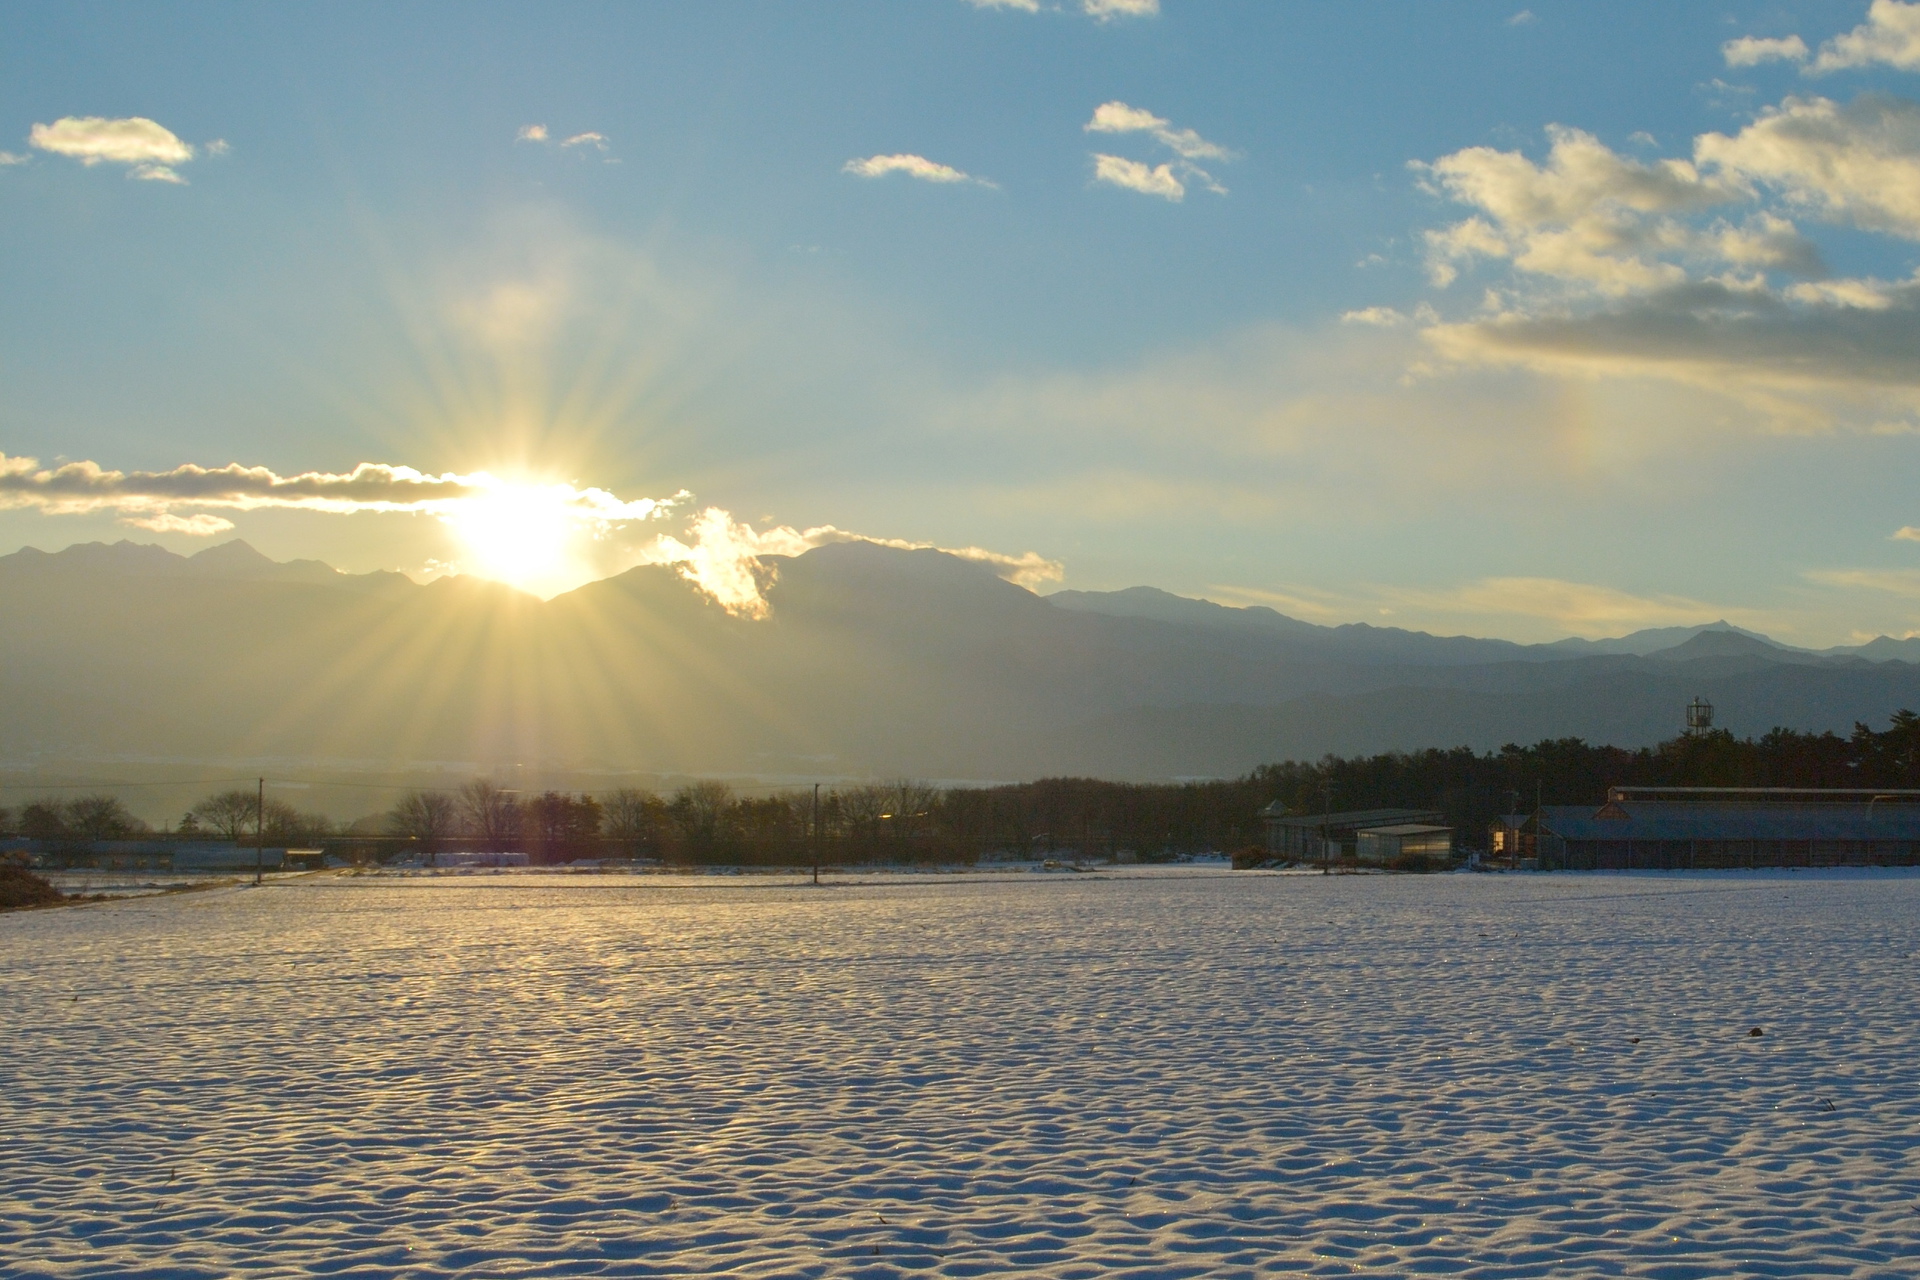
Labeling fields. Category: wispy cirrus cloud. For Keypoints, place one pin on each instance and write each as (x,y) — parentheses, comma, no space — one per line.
(148,148)
(588,140)
(1167,180)
(1529,609)
(913,166)
(1098,10)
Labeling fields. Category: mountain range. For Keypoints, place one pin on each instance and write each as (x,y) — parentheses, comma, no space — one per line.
(874,661)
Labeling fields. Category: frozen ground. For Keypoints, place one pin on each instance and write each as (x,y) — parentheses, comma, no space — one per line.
(1163,1073)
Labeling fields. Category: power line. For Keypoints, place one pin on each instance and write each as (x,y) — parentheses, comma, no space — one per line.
(95,786)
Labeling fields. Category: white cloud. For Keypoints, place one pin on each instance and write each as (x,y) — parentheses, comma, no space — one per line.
(1890,35)
(1134,176)
(913,166)
(8,157)
(1118,117)
(1859,163)
(1380,317)
(1588,216)
(150,149)
(726,558)
(598,141)
(92,139)
(1524,18)
(532,133)
(1165,180)
(1106,10)
(1751,51)
(1025,6)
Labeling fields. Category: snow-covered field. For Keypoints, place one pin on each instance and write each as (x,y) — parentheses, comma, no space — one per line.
(1157,1073)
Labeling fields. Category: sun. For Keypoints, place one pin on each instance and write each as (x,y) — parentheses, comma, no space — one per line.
(519,534)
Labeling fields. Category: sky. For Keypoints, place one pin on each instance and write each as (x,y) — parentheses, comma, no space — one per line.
(1517,321)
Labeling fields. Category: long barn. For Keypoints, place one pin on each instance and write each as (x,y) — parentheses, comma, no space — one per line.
(1680,828)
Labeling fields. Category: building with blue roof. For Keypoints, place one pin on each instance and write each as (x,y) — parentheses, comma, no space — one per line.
(1681,828)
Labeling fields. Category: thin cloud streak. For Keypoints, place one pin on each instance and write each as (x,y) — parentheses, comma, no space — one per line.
(913,166)
(77,488)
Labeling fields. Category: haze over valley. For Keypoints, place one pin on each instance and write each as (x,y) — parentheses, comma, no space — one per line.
(870,661)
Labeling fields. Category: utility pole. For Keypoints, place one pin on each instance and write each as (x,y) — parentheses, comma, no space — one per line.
(259,830)
(816,833)
(1326,816)
(1539,825)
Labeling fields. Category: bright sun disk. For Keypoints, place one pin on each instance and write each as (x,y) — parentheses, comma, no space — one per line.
(519,534)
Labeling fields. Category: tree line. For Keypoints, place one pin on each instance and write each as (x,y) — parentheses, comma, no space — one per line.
(908,820)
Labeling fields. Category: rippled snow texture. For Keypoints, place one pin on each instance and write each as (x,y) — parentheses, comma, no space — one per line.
(1154,1075)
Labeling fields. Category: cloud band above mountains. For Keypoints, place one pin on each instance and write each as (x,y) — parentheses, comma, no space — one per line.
(719,555)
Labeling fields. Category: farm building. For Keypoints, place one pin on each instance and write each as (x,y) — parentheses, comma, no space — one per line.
(1313,837)
(1405,840)
(1679,828)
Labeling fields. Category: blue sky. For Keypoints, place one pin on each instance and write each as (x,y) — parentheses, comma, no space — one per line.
(1518,321)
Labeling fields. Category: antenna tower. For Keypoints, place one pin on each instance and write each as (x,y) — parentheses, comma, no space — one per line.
(1699,717)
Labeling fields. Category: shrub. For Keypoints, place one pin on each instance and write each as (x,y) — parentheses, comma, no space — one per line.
(19,887)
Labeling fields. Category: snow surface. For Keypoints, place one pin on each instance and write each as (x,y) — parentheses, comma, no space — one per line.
(1174,1072)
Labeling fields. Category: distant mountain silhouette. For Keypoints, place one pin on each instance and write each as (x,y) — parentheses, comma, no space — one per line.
(874,661)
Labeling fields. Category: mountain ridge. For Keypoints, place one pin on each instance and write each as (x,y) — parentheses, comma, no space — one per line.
(874,660)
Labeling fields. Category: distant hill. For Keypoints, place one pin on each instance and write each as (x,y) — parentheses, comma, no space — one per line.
(874,661)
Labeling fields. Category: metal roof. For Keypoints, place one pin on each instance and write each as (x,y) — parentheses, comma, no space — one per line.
(1352,820)
(1669,820)
(1406,829)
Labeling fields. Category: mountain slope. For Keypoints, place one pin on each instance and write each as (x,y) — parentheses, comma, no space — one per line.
(874,660)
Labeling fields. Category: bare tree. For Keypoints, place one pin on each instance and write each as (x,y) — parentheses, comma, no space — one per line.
(423,816)
(287,825)
(492,816)
(101,817)
(913,803)
(863,810)
(229,815)
(700,811)
(562,826)
(44,819)
(633,818)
